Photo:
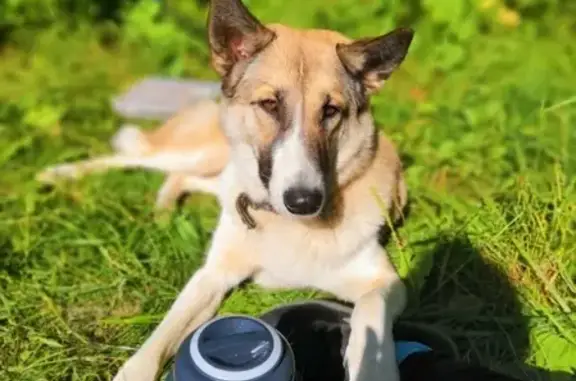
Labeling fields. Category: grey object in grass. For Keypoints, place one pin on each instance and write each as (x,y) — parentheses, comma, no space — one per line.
(158,98)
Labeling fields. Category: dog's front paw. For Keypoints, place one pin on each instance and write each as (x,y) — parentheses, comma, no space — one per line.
(137,368)
(367,360)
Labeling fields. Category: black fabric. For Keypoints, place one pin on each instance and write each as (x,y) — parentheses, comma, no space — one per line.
(318,333)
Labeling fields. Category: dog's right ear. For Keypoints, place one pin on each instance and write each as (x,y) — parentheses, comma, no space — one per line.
(234,34)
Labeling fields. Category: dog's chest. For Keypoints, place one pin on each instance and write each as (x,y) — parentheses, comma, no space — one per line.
(296,256)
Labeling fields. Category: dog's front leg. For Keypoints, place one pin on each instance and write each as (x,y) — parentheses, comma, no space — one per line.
(225,267)
(379,298)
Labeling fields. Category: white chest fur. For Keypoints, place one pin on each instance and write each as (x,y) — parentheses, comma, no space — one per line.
(290,254)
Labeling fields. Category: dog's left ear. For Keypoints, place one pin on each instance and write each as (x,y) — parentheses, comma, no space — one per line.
(372,60)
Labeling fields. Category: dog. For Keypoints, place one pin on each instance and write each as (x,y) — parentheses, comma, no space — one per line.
(304,180)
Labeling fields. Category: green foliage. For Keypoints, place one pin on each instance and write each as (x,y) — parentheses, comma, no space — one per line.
(145,27)
(21,12)
(483,112)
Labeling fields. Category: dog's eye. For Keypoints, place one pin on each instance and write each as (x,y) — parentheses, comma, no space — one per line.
(269,105)
(330,111)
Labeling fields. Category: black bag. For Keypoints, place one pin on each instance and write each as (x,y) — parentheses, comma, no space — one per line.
(318,332)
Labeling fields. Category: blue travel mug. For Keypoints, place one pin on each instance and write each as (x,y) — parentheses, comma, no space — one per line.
(234,348)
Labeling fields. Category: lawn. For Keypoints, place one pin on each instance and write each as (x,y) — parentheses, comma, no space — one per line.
(483,111)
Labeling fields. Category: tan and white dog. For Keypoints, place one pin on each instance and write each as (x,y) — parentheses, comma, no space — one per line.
(304,180)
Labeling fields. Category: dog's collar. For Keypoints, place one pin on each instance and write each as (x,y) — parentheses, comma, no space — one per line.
(243,202)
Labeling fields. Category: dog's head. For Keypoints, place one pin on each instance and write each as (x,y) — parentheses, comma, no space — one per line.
(296,103)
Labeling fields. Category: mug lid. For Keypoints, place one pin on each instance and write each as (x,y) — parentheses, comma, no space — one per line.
(235,348)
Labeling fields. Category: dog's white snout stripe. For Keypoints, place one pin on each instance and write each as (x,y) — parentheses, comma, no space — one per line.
(292,165)
(293,158)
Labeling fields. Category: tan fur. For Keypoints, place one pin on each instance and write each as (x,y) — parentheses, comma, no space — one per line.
(269,134)
(195,127)
(194,130)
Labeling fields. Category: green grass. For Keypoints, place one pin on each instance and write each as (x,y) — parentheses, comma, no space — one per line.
(489,249)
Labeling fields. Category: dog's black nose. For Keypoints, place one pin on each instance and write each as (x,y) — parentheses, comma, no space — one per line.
(303,201)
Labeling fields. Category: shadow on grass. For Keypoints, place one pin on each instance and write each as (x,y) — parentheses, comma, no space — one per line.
(466,310)
(468,305)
